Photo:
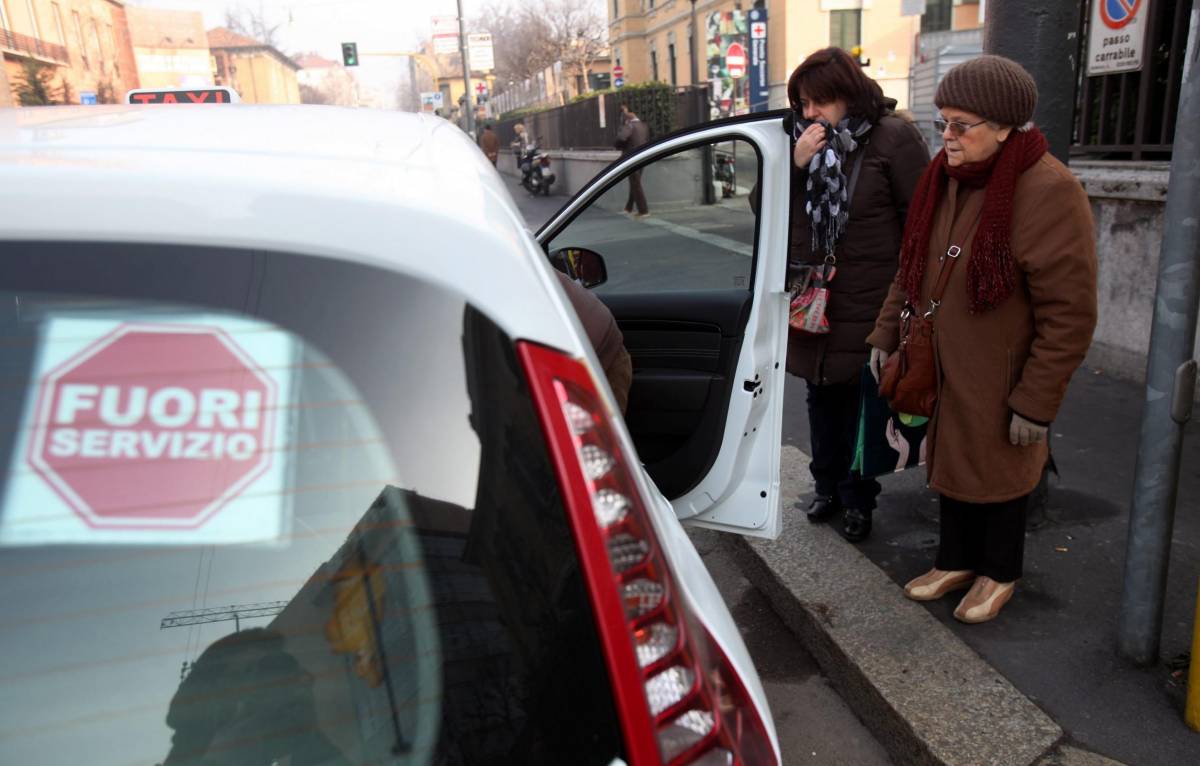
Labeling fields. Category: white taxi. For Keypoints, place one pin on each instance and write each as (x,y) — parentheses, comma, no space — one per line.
(309,461)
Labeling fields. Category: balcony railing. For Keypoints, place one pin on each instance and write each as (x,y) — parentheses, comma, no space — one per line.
(15,41)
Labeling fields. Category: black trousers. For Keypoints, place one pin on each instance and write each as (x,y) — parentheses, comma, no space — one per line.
(636,195)
(833,428)
(987,538)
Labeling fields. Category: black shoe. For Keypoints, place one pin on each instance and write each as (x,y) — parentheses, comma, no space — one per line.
(821,508)
(856,525)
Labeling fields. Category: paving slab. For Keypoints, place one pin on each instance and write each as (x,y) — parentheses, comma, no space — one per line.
(927,696)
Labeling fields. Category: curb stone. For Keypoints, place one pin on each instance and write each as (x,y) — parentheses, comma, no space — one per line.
(927,697)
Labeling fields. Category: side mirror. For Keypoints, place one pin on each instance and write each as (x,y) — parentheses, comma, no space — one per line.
(584,266)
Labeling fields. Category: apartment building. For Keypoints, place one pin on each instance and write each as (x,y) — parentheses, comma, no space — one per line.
(260,73)
(652,40)
(82,47)
(171,48)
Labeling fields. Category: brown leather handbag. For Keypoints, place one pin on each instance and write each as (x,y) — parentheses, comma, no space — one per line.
(909,379)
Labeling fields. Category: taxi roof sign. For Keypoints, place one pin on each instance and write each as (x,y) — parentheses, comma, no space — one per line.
(220,94)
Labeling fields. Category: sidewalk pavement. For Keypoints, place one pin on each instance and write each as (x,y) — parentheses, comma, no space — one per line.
(1040,685)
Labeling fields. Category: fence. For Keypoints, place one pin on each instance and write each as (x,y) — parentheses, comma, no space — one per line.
(1131,115)
(579,126)
(16,41)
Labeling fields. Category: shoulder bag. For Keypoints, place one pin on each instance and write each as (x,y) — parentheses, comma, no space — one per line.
(909,379)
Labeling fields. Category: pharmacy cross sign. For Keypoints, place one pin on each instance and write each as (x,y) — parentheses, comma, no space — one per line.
(153,426)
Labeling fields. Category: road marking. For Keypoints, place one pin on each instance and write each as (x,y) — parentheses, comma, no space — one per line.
(725,243)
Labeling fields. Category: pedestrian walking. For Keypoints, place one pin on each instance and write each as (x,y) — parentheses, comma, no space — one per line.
(632,134)
(855,165)
(999,256)
(489,142)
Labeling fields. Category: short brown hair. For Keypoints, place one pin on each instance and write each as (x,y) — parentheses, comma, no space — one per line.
(831,74)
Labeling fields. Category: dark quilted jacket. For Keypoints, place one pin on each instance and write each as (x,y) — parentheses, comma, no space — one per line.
(867,253)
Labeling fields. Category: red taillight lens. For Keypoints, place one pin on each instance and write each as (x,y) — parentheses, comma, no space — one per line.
(679,699)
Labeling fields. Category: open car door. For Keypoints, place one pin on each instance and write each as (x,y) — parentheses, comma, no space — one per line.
(697,286)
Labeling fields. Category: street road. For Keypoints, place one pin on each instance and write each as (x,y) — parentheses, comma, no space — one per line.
(813,723)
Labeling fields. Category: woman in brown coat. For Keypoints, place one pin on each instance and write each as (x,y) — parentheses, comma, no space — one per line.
(855,165)
(1014,323)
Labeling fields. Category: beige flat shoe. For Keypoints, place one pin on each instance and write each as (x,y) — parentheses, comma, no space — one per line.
(984,601)
(936,583)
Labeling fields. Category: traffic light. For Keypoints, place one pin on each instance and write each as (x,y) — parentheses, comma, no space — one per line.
(350,54)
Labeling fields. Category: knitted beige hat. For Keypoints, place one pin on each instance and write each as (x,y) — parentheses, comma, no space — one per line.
(993,87)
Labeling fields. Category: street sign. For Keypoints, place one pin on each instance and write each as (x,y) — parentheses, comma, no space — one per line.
(87,97)
(480,53)
(1116,41)
(618,72)
(431,101)
(759,74)
(181,413)
(445,34)
(618,82)
(735,60)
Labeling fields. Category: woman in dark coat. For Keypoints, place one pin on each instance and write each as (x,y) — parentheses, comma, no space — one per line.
(855,165)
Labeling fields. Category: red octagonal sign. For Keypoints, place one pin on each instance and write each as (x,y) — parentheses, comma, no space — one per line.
(153,427)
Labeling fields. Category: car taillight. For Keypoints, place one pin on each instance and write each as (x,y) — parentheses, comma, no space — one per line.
(679,699)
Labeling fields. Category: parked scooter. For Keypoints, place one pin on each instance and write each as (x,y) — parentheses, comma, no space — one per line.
(725,172)
(535,171)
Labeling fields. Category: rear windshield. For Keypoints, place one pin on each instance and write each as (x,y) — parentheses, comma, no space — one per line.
(268,509)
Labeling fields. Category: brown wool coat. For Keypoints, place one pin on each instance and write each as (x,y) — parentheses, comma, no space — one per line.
(489,142)
(1017,357)
(867,252)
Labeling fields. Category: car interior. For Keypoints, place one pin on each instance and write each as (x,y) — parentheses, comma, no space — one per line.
(679,284)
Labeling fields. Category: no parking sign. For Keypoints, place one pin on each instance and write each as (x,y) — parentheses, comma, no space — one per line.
(1117,36)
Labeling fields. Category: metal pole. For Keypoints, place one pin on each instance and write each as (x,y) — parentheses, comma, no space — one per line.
(462,50)
(1172,340)
(692,42)
(1042,36)
(414,98)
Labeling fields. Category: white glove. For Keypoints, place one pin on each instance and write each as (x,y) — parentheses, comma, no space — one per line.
(1022,432)
(878,359)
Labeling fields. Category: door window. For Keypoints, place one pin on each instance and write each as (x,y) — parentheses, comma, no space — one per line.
(682,222)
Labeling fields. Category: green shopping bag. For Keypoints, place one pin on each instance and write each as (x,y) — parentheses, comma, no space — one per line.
(888,442)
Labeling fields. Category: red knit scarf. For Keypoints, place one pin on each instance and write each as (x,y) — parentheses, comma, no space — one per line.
(991,272)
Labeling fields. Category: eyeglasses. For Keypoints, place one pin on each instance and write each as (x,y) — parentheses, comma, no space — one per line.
(956,128)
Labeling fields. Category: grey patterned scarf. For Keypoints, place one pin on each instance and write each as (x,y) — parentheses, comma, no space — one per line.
(827,198)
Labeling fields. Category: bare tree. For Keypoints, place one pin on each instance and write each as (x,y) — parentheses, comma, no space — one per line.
(532,36)
(578,34)
(253,23)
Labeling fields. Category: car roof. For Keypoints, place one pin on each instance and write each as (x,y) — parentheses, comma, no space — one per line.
(403,191)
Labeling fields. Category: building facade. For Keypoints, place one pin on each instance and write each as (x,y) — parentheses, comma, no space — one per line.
(81,48)
(652,40)
(171,48)
(324,81)
(260,73)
